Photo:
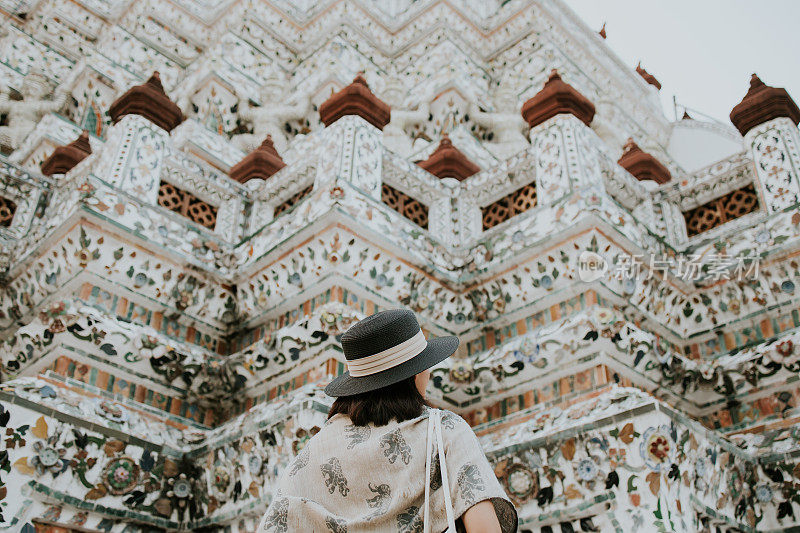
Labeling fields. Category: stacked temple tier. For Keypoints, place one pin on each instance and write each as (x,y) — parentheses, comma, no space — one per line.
(198,198)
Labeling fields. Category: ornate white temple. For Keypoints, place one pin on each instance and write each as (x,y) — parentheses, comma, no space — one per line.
(197,198)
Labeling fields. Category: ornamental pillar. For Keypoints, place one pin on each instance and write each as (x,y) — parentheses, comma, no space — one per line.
(133,155)
(352,151)
(767,117)
(443,214)
(559,117)
(446,214)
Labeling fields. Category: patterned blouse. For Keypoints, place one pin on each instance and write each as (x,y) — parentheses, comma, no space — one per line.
(351,479)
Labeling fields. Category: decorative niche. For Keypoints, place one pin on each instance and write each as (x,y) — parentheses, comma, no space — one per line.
(412,209)
(7,210)
(717,212)
(185,203)
(292,201)
(509,206)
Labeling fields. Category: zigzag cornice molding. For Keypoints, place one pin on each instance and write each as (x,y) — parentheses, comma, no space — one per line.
(684,292)
(618,291)
(172,366)
(84,402)
(397,19)
(746,365)
(595,89)
(602,336)
(547,439)
(121,347)
(73,257)
(741,241)
(404,31)
(561,422)
(273,428)
(558,434)
(636,84)
(677,305)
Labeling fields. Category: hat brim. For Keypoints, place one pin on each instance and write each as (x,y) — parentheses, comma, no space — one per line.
(438,350)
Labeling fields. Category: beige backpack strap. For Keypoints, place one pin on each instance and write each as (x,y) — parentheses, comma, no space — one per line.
(434,438)
(429,442)
(448,503)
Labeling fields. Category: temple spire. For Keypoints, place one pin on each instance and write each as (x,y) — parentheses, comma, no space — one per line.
(64,158)
(447,161)
(763,103)
(261,163)
(557,97)
(649,78)
(642,164)
(150,101)
(355,99)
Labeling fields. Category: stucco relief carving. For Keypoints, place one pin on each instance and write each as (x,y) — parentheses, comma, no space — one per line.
(504,122)
(278,106)
(24,114)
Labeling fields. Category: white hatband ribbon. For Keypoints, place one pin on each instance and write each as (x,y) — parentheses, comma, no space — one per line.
(388,358)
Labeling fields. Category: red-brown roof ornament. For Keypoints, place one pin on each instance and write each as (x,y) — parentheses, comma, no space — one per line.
(643,165)
(602,31)
(150,101)
(557,97)
(763,103)
(649,78)
(64,158)
(261,163)
(447,161)
(355,99)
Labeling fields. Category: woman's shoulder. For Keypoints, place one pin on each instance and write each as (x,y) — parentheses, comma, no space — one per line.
(454,426)
(339,419)
(451,420)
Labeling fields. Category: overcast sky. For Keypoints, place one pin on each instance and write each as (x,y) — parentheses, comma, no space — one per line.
(703,51)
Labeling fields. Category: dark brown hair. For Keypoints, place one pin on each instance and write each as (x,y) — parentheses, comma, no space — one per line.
(400,401)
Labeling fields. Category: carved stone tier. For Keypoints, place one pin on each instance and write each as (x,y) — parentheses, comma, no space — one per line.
(64,158)
(150,101)
(763,103)
(447,161)
(355,99)
(649,78)
(557,97)
(261,163)
(643,165)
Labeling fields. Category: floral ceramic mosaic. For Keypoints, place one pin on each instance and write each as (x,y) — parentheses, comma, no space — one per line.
(159,368)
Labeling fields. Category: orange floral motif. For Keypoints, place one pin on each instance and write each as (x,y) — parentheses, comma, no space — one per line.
(785,348)
(616,457)
(654,480)
(568,449)
(626,434)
